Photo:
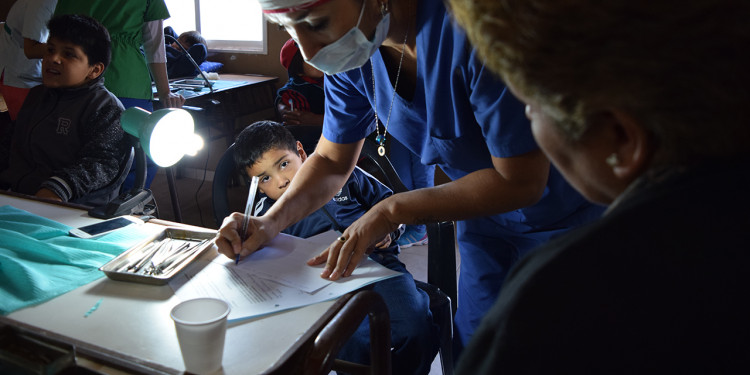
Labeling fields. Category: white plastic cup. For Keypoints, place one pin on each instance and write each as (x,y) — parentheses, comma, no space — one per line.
(201,326)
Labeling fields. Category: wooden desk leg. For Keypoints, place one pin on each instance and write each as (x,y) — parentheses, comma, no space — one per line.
(173,195)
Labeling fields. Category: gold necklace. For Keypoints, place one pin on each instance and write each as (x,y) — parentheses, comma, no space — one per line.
(381,138)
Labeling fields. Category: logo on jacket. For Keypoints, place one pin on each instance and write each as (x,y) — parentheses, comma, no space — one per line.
(339,197)
(63,126)
(259,206)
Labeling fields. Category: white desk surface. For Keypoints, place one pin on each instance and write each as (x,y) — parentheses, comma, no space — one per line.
(132,326)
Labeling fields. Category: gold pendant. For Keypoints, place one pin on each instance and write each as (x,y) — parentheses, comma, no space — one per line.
(381,150)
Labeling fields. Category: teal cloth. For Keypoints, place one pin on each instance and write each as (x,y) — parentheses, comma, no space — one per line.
(39,260)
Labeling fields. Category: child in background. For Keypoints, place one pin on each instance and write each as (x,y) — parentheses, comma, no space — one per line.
(268,150)
(301,100)
(300,103)
(178,63)
(67,140)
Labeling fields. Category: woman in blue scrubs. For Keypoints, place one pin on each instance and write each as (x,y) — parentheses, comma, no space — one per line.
(406,63)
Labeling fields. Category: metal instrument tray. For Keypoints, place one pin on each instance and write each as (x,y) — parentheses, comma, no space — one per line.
(118,268)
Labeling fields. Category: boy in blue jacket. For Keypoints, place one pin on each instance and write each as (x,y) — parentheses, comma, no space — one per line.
(268,150)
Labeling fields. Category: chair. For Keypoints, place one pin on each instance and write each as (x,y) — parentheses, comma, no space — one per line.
(226,172)
(105,194)
(314,353)
(136,199)
(441,271)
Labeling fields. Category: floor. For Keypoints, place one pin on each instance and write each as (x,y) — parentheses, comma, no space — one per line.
(194,196)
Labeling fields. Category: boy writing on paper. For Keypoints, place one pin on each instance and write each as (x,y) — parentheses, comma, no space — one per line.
(67,140)
(268,150)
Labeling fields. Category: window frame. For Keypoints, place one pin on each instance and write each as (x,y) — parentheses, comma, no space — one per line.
(234,46)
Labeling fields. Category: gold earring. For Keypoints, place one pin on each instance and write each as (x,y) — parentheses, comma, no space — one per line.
(383,8)
(612,160)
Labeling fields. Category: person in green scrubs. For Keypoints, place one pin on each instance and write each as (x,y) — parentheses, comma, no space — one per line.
(132,25)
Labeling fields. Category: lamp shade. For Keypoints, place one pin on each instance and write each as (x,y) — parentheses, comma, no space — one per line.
(165,135)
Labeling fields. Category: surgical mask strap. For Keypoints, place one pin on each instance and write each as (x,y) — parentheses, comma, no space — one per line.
(352,49)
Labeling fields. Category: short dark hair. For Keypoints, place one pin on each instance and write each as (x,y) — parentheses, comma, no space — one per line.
(680,68)
(259,138)
(86,32)
(192,38)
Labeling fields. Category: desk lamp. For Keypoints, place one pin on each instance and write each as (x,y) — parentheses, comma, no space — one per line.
(165,135)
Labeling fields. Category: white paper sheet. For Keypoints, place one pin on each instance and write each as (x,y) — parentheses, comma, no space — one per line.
(263,283)
(279,261)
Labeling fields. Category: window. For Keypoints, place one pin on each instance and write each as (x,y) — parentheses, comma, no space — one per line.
(227,25)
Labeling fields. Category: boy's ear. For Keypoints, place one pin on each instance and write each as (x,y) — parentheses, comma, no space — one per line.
(95,71)
(301,151)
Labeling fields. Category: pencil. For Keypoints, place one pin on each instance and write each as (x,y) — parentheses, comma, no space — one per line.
(248,211)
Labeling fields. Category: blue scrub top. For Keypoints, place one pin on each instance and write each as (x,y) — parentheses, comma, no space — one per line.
(460,116)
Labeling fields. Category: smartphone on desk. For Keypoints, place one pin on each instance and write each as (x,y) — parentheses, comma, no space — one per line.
(104,227)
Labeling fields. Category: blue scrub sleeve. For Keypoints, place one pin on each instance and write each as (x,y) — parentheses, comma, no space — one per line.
(499,113)
(348,114)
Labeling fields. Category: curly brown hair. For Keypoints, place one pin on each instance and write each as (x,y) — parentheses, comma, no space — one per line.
(681,68)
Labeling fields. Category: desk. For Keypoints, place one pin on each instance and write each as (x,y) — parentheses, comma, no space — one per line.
(132,328)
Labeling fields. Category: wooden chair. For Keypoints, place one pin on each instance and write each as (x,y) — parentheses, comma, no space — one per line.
(315,352)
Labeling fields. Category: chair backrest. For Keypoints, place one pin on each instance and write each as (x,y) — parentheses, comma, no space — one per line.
(379,166)
(225,174)
(107,193)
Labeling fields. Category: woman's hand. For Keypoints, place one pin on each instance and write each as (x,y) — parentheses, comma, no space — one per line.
(172,100)
(167,98)
(259,231)
(344,254)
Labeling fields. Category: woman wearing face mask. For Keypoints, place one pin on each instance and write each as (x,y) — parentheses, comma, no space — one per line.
(406,63)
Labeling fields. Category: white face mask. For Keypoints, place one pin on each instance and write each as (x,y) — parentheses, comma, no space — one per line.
(352,50)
